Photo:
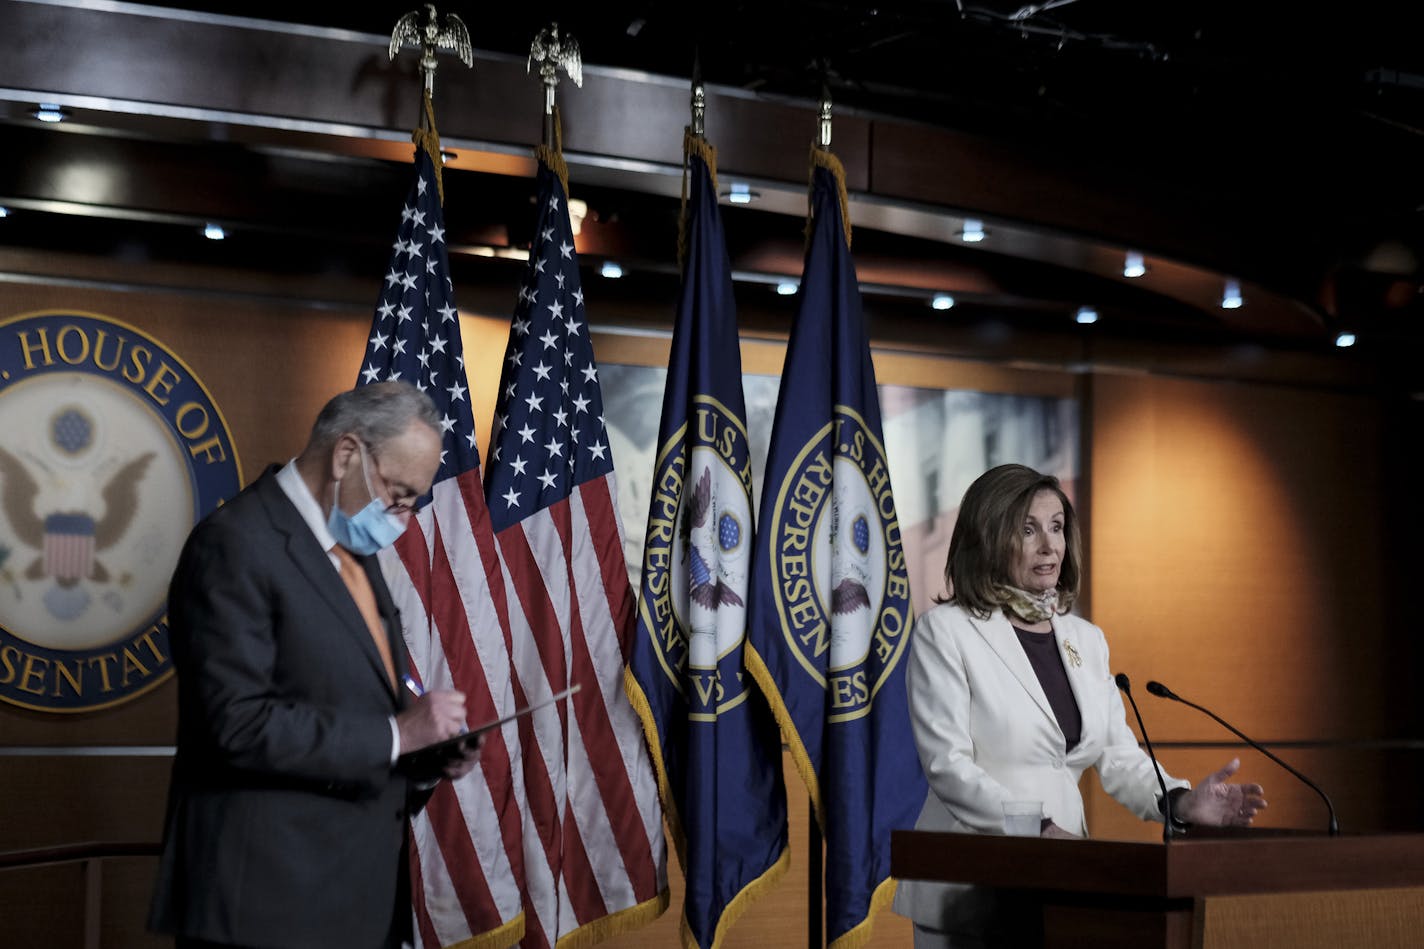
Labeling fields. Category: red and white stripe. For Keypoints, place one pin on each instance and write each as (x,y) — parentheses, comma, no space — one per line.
(593,841)
(467,849)
(69,556)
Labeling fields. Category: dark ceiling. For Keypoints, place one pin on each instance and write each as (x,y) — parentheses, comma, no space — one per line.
(1309,124)
(1081,69)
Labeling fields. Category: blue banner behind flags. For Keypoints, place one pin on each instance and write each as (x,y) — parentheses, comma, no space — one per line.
(830,601)
(714,741)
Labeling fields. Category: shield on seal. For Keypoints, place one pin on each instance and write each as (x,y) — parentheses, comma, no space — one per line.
(69,546)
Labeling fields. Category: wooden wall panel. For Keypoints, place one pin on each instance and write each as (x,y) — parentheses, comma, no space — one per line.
(44,906)
(1237,553)
(65,799)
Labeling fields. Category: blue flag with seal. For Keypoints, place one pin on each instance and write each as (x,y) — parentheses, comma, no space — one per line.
(714,741)
(829,615)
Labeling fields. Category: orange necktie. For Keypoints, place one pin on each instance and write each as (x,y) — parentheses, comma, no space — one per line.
(360,586)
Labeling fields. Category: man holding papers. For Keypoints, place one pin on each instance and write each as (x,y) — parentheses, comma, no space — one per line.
(287,812)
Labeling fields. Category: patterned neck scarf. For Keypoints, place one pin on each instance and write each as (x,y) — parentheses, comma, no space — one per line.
(1029,607)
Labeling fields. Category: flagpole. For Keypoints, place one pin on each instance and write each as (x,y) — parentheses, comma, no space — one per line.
(815,901)
(816,910)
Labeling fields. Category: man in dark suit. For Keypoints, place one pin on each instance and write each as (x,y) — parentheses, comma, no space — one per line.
(287,815)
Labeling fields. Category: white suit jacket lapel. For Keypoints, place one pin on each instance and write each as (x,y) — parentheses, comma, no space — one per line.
(999,634)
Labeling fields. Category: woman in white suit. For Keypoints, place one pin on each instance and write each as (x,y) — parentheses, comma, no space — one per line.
(1011,698)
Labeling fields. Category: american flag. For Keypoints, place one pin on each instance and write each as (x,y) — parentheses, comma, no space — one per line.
(595,858)
(467,860)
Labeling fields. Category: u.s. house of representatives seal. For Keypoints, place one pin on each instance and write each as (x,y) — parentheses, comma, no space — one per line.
(698,557)
(110,450)
(841,592)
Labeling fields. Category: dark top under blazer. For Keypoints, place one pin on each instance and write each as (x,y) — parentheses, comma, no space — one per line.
(286,824)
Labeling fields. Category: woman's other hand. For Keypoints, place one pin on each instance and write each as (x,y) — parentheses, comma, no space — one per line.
(1214,803)
(1056,832)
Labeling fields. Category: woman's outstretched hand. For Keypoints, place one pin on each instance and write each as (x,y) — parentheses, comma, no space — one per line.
(1214,803)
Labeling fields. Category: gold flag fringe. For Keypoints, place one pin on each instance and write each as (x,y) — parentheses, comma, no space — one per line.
(761,674)
(428,138)
(750,893)
(857,936)
(552,153)
(821,158)
(502,938)
(699,146)
(614,924)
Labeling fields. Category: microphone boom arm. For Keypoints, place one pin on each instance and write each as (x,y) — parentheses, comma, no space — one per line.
(1161,691)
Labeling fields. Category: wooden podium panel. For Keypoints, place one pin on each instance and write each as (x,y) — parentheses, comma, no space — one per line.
(1118,894)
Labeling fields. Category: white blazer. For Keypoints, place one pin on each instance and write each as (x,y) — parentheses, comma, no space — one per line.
(986,734)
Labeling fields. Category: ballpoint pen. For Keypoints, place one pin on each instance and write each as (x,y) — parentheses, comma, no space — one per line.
(417,691)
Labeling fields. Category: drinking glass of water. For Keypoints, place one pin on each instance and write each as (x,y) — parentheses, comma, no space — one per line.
(1023,818)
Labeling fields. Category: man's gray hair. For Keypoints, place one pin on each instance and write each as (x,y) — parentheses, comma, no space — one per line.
(374,413)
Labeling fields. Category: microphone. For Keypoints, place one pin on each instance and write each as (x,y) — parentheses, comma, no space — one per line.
(1126,686)
(1161,691)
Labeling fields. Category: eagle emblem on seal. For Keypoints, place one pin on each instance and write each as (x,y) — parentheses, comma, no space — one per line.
(67,543)
(704,589)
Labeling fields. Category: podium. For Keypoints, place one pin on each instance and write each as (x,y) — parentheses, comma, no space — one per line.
(1105,893)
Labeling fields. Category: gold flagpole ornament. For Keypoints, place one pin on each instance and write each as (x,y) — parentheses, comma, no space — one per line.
(821,157)
(431,37)
(823,140)
(552,51)
(699,108)
(694,142)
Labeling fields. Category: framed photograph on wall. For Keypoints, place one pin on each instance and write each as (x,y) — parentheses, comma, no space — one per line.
(938,437)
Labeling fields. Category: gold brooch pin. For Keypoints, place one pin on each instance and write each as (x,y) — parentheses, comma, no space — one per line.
(1073,656)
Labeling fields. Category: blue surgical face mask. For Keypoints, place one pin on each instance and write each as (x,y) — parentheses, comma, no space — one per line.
(369,529)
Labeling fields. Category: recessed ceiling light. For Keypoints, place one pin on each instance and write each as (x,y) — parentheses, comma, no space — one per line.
(1086,315)
(49,112)
(214,232)
(973,231)
(742,193)
(1134,265)
(942,301)
(786,288)
(1345,340)
(1231,296)
(611,270)
(4,211)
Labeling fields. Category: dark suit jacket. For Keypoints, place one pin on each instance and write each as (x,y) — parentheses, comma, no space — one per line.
(286,824)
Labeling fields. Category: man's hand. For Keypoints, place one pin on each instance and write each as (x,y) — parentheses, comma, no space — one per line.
(465,763)
(433,717)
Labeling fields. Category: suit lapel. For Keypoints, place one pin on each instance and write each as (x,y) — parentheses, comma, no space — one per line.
(316,567)
(998,632)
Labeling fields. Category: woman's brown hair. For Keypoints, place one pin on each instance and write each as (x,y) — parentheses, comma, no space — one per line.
(986,539)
